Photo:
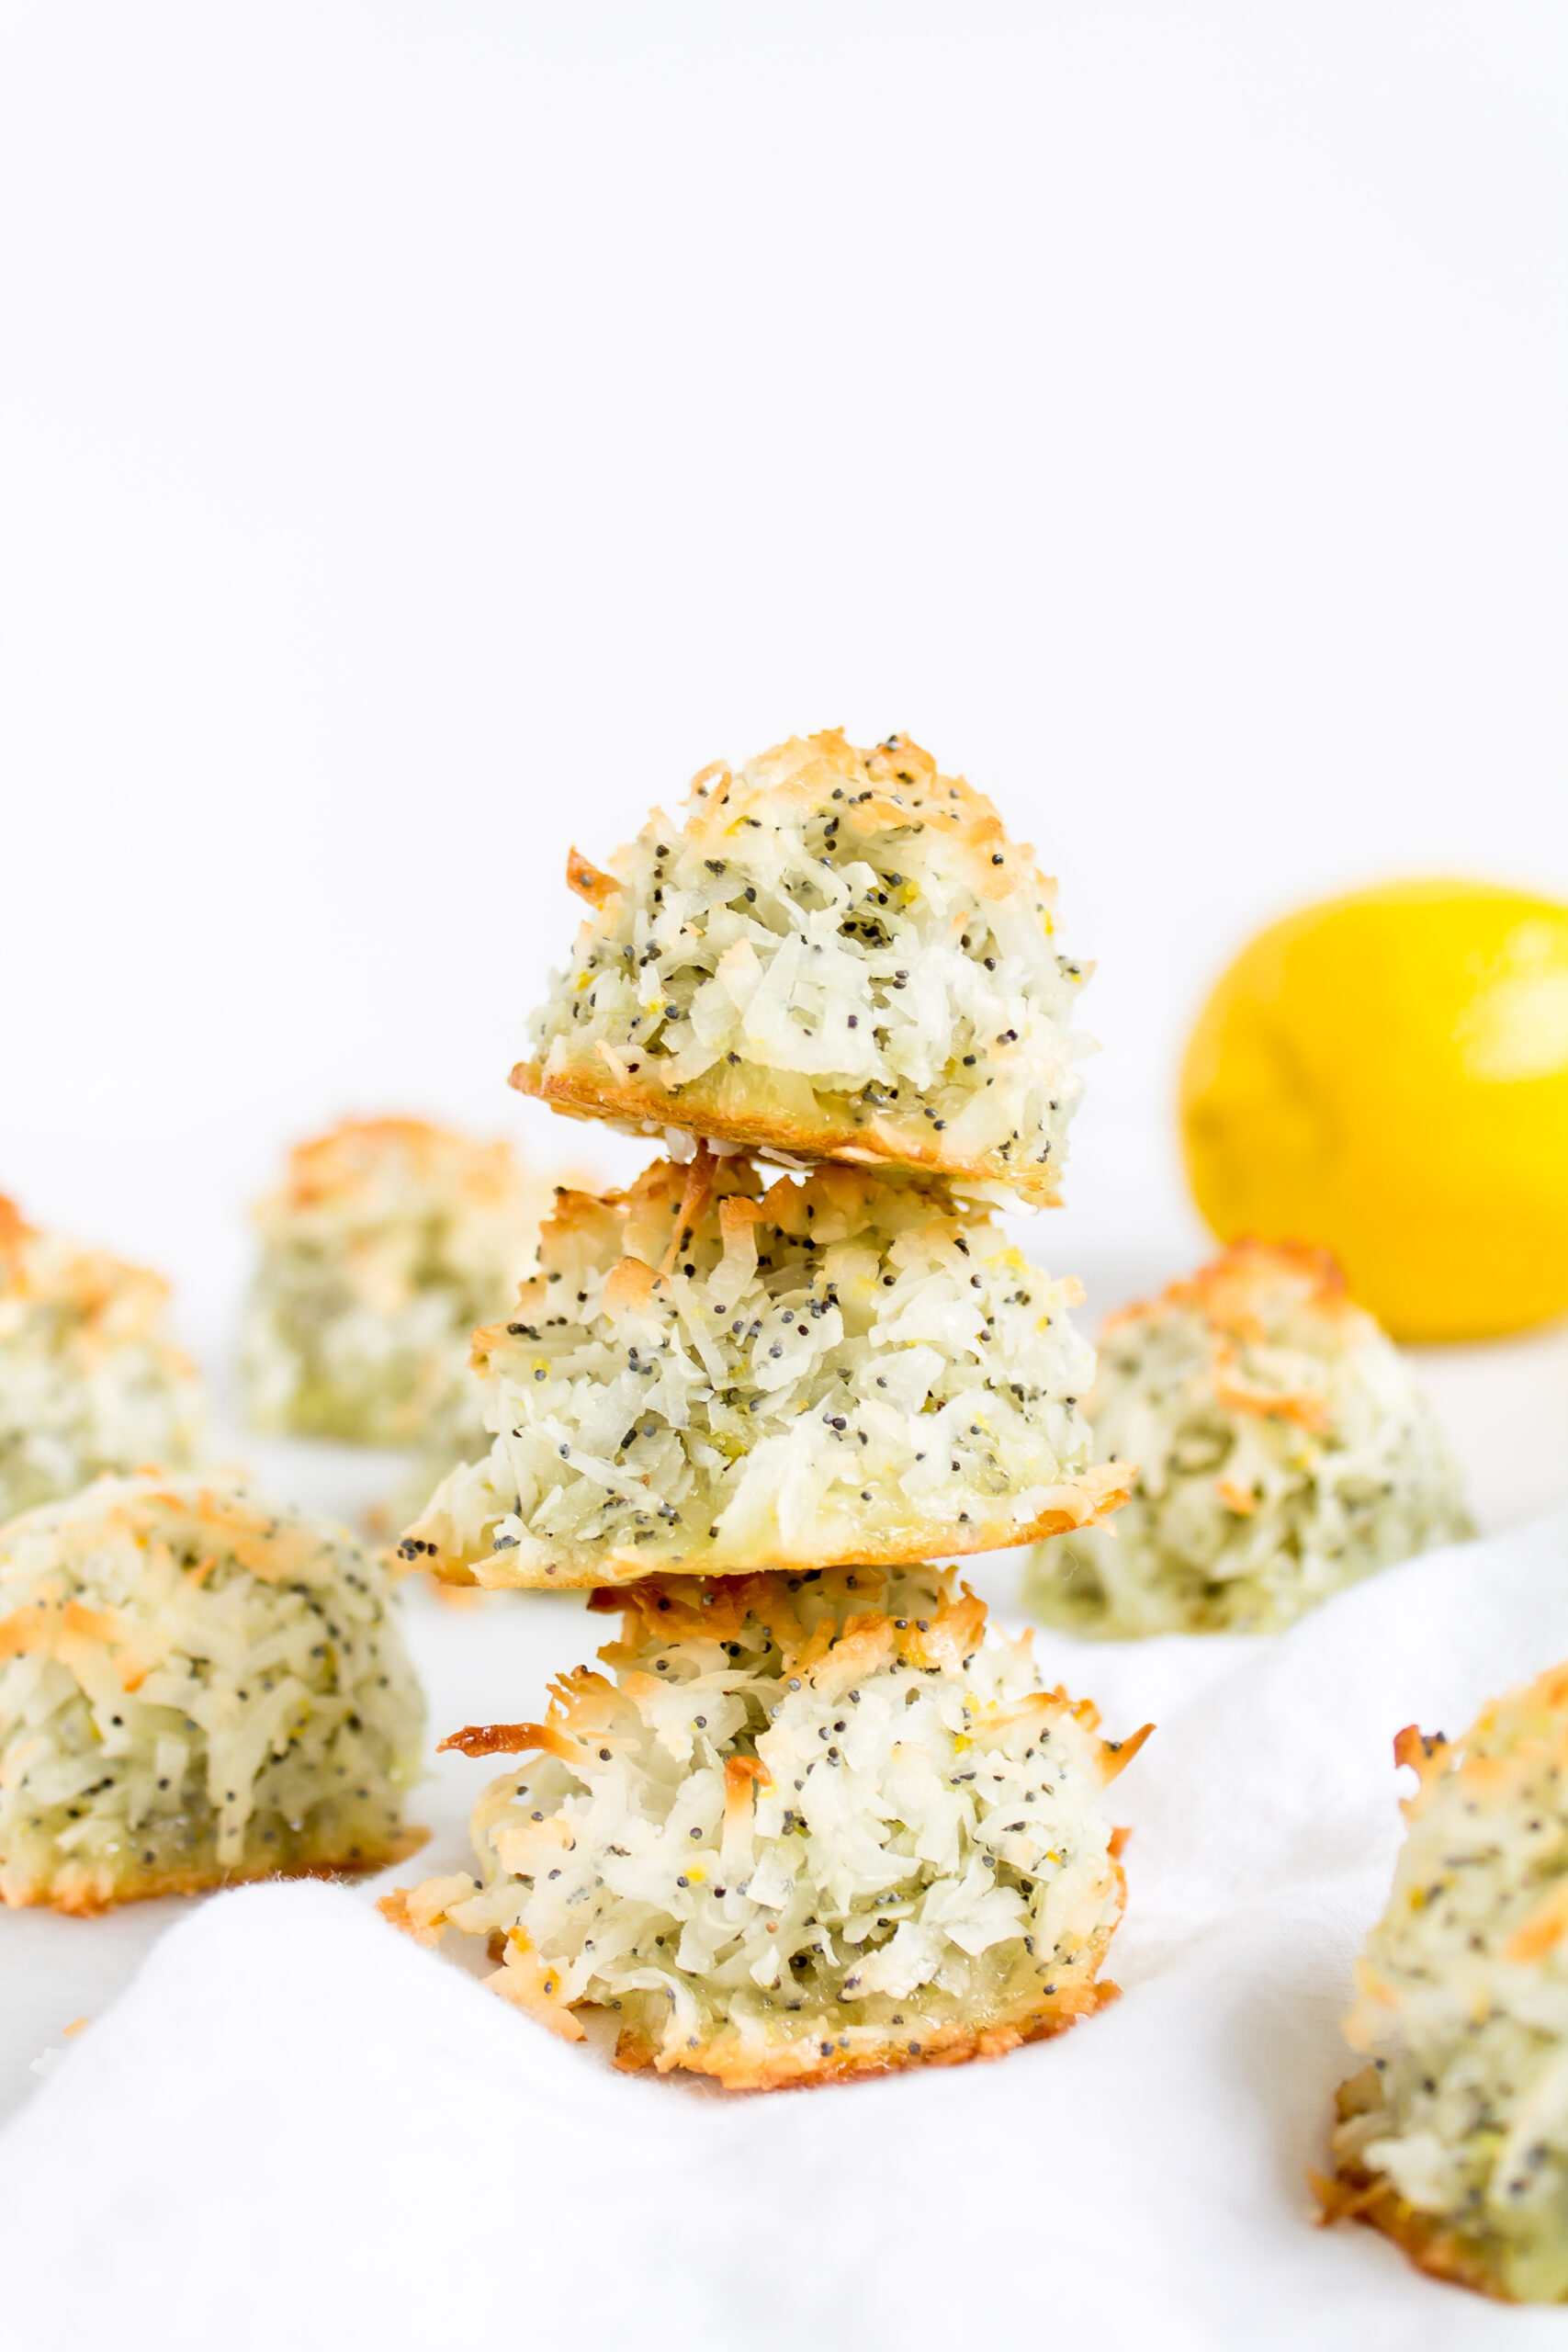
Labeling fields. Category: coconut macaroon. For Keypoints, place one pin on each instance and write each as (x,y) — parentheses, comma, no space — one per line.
(196,1687)
(1283,1449)
(706,1376)
(89,1380)
(815,1826)
(837,954)
(1454,2139)
(386,1243)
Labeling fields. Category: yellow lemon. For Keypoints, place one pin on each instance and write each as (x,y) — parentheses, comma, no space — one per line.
(1387,1074)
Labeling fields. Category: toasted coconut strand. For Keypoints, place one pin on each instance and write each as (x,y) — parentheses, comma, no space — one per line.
(1283,1450)
(1119,1753)
(495,1740)
(709,1377)
(196,1688)
(387,1242)
(1454,2141)
(838,954)
(90,1381)
(815,1826)
(587,880)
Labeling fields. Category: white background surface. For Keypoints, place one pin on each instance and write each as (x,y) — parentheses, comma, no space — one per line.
(433,432)
(429,434)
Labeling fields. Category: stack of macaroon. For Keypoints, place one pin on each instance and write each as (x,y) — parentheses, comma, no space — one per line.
(818,1819)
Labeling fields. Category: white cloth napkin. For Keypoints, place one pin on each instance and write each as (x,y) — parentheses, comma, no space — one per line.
(294,2126)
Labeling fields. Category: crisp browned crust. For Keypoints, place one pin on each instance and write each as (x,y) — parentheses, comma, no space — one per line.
(86,1892)
(714,1106)
(808,2060)
(1354,2194)
(1081,1501)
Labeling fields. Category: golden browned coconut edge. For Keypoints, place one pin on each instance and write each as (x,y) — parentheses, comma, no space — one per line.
(1429,2243)
(89,1893)
(1082,1502)
(585,1091)
(803,2066)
